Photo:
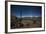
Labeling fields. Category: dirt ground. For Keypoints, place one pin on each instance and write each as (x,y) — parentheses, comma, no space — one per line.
(26,23)
(31,23)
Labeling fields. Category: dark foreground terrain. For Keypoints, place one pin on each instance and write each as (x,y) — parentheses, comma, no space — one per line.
(26,22)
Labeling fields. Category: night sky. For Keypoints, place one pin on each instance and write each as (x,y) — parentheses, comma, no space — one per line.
(21,10)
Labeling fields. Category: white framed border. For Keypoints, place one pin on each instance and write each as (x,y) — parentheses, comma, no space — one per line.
(25,29)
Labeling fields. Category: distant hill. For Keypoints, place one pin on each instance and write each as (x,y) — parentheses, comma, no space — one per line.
(34,18)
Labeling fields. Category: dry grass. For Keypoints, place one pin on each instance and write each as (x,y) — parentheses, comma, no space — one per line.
(25,23)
